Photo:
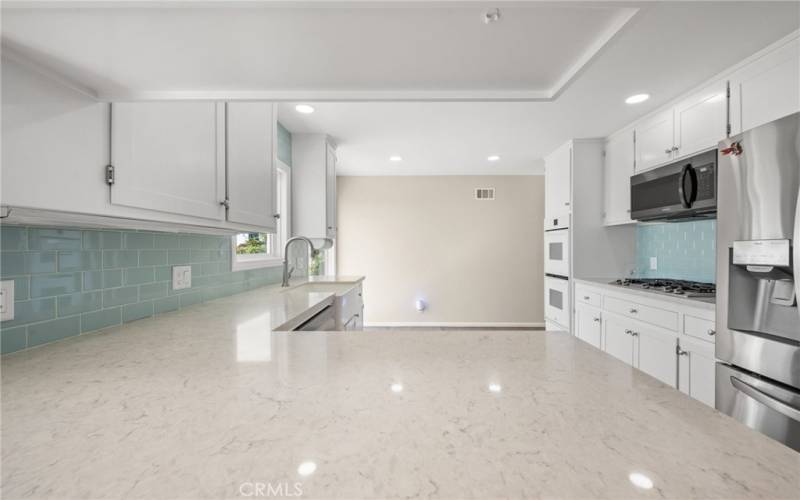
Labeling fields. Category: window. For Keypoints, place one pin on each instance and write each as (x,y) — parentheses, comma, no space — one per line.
(253,250)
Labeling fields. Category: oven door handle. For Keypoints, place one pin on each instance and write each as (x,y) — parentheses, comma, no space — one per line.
(765,399)
(796,249)
(687,198)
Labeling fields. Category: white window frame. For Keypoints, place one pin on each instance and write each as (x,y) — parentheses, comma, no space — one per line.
(283,198)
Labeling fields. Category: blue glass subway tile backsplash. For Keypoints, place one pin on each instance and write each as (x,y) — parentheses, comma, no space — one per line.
(72,281)
(684,250)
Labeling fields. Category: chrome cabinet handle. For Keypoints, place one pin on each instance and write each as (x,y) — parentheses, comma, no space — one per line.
(668,151)
(634,311)
(635,334)
(681,352)
(711,332)
(675,148)
(629,332)
(226,203)
(596,320)
(765,399)
(585,297)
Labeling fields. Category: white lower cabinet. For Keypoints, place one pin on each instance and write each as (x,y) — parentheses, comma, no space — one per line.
(666,340)
(618,338)
(655,355)
(696,367)
(589,325)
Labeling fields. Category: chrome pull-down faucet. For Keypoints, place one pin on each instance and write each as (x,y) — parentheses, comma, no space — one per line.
(314,251)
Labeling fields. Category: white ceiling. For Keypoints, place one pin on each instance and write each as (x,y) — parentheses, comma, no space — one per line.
(264,48)
(402,50)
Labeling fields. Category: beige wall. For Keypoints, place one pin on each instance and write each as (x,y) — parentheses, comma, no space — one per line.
(427,237)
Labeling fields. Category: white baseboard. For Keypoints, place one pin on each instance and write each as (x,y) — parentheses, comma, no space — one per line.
(450,324)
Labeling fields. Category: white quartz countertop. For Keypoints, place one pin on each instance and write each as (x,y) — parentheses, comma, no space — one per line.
(209,402)
(698,302)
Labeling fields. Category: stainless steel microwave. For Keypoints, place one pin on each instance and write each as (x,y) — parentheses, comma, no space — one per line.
(685,189)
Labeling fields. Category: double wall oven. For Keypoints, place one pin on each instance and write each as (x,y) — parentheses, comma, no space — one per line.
(556,269)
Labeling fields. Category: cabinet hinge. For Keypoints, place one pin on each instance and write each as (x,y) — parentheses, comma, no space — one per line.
(110,179)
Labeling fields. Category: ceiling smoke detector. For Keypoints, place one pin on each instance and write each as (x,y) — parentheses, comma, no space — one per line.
(491,16)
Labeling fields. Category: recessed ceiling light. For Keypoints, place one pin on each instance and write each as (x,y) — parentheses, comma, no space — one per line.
(395,158)
(493,158)
(304,108)
(306,468)
(636,99)
(640,480)
(397,387)
(495,387)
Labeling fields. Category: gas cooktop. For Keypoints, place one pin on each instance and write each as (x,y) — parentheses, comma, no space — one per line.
(683,288)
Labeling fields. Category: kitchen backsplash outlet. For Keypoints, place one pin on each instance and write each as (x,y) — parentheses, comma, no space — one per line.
(683,250)
(72,281)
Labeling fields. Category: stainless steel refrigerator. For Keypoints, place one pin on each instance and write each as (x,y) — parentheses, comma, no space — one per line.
(758,279)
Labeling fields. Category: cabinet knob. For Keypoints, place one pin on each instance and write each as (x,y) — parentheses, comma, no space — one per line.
(681,352)
(628,332)
(277,216)
(635,334)
(597,320)
(712,332)
(226,203)
(633,311)
(668,151)
(585,297)
(675,148)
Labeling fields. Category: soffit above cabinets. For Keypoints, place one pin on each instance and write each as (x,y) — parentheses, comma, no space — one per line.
(311,50)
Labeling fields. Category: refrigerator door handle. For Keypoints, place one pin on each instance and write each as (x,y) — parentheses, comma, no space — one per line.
(765,399)
(796,249)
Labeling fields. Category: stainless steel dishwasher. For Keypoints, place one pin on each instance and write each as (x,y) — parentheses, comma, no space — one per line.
(325,320)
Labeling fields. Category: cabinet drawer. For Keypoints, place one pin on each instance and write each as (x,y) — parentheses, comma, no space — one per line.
(587,296)
(648,314)
(352,303)
(699,328)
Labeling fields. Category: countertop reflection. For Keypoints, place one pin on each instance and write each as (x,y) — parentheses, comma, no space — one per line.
(209,402)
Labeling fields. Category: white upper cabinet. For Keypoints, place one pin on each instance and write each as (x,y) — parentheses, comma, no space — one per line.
(701,120)
(618,169)
(313,186)
(170,157)
(558,168)
(330,191)
(655,140)
(767,88)
(251,163)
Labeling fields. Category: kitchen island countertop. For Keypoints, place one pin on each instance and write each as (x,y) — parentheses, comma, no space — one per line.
(208,402)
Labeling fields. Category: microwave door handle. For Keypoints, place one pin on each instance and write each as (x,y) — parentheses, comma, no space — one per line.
(687,198)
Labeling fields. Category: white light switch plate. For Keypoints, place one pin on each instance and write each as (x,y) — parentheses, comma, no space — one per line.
(6,300)
(181,277)
(653,263)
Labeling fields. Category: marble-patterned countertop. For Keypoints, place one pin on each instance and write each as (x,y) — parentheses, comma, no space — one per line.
(698,302)
(209,402)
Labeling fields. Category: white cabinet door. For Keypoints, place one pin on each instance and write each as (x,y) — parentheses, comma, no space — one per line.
(655,354)
(655,140)
(251,163)
(767,88)
(617,338)
(697,370)
(701,120)
(588,325)
(330,190)
(170,157)
(558,168)
(618,169)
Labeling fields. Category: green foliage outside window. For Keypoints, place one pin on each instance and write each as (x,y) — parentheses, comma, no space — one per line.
(255,243)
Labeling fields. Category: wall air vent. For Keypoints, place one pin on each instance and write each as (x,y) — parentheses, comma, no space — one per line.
(484,193)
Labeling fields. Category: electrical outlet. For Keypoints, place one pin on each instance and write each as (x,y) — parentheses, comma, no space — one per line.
(653,263)
(6,300)
(181,277)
